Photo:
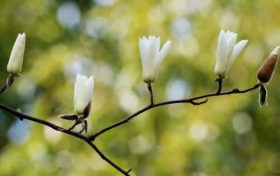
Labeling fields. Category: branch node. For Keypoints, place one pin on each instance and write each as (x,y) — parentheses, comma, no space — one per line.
(199,103)
(235,90)
(20,118)
(91,137)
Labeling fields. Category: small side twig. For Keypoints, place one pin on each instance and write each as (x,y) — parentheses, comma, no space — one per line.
(3,88)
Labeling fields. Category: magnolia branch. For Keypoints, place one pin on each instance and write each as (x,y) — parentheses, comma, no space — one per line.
(22,116)
(89,139)
(192,101)
(151,56)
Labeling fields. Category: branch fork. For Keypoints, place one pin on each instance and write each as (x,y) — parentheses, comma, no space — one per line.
(89,139)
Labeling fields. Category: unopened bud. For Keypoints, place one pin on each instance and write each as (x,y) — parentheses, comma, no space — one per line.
(16,57)
(266,71)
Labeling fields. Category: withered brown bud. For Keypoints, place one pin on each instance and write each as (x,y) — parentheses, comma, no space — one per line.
(266,71)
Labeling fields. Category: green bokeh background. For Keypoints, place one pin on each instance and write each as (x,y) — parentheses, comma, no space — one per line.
(229,135)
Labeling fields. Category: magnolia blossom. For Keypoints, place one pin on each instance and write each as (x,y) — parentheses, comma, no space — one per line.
(227,52)
(16,57)
(151,56)
(83,93)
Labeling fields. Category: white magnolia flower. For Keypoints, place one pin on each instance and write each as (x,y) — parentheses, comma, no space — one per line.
(151,56)
(82,93)
(16,57)
(227,52)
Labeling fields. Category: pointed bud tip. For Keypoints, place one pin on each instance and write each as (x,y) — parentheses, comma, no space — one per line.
(22,36)
(276,51)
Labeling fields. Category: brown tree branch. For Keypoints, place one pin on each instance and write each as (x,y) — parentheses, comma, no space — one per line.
(90,139)
(189,100)
(63,130)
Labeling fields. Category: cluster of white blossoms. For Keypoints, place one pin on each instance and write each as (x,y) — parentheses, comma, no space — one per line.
(83,89)
(151,57)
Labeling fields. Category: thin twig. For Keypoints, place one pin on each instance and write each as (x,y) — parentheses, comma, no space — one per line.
(4,87)
(190,100)
(106,159)
(77,122)
(8,83)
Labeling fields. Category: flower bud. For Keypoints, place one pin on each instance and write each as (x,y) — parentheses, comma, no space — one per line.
(152,56)
(82,95)
(227,51)
(16,58)
(266,71)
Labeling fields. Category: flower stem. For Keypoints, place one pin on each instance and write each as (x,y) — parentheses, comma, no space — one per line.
(220,85)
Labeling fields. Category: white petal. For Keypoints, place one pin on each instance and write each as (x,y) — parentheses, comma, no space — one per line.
(221,55)
(142,49)
(222,46)
(82,90)
(152,52)
(237,49)
(158,44)
(147,54)
(231,40)
(90,86)
(162,53)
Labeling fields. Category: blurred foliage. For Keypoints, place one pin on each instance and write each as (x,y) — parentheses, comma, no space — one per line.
(229,135)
